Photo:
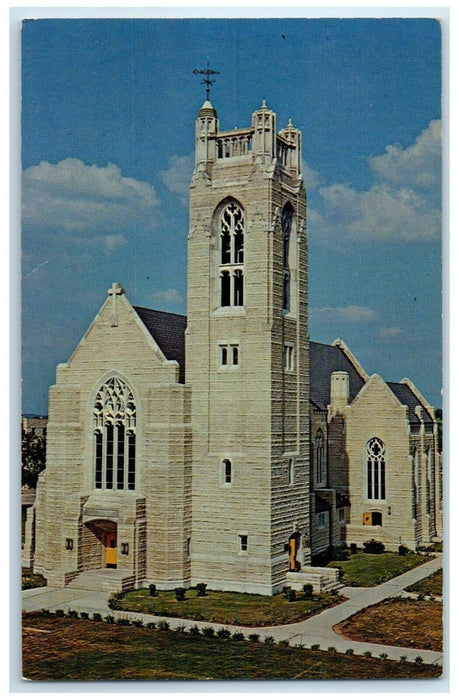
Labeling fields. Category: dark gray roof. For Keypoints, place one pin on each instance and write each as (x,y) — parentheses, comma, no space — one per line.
(407,398)
(168,330)
(325,359)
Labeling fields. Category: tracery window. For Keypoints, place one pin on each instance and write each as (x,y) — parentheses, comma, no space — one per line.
(320,457)
(376,469)
(114,436)
(231,229)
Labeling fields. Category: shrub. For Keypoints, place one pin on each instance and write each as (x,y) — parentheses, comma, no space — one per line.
(238,637)
(114,602)
(208,631)
(373,547)
(97,617)
(349,652)
(367,654)
(123,621)
(254,637)
(194,630)
(201,588)
(403,658)
(152,589)
(180,594)
(332,650)
(291,596)
(402,550)
(418,660)
(110,619)
(163,625)
(307,590)
(286,591)
(179,628)
(59,613)
(151,625)
(353,548)
(84,615)
(72,613)
(383,655)
(269,640)
(137,623)
(284,643)
(223,633)
(315,647)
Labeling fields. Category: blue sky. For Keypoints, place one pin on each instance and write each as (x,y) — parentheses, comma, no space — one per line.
(108,111)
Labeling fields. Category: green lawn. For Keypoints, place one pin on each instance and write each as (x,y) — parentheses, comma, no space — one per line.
(371,569)
(227,608)
(57,648)
(432,585)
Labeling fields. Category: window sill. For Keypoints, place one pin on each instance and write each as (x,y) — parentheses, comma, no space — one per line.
(228,311)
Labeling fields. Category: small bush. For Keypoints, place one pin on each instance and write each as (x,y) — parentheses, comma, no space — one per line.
(254,637)
(383,655)
(421,596)
(299,646)
(238,637)
(349,652)
(307,590)
(208,632)
(223,633)
(163,625)
(97,617)
(332,650)
(353,548)
(373,547)
(269,640)
(419,660)
(151,625)
(84,615)
(367,654)
(315,647)
(403,658)
(59,613)
(123,621)
(194,630)
(152,589)
(72,613)
(201,588)
(291,596)
(402,550)
(284,643)
(180,594)
(286,591)
(137,623)
(110,619)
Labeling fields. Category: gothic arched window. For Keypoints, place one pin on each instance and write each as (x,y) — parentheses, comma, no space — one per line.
(114,436)
(286,226)
(320,457)
(231,232)
(376,469)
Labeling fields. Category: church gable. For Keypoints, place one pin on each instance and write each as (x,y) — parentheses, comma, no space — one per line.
(119,337)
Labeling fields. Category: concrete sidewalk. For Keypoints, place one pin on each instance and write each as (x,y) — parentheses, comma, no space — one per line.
(316,630)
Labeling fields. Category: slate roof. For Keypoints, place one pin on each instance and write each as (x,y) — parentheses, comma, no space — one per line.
(325,359)
(168,330)
(407,398)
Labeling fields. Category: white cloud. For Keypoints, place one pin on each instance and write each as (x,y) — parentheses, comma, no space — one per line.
(387,334)
(167,296)
(312,178)
(81,199)
(350,314)
(177,177)
(402,204)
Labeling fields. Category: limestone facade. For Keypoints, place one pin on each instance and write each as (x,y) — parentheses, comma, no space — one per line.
(237,465)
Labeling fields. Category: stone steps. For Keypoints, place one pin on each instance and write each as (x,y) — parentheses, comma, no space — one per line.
(109,580)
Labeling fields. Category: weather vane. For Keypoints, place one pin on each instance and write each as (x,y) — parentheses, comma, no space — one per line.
(207,81)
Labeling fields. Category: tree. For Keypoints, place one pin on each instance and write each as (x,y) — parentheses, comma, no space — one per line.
(33,449)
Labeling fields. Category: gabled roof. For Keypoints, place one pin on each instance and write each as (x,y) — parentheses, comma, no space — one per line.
(407,398)
(325,359)
(168,330)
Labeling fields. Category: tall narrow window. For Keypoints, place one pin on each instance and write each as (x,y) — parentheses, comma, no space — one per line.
(231,228)
(376,469)
(114,436)
(320,458)
(286,226)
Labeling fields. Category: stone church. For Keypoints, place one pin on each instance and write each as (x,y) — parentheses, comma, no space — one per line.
(224,447)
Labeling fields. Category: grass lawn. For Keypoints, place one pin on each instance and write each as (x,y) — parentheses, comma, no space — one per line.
(397,622)
(228,608)
(31,580)
(432,585)
(56,648)
(371,569)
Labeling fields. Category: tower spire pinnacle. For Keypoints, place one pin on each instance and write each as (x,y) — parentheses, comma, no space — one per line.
(207,72)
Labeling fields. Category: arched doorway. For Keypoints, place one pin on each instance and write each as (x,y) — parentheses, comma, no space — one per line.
(101,550)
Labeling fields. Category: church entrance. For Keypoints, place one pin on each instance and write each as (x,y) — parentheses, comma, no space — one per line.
(101,545)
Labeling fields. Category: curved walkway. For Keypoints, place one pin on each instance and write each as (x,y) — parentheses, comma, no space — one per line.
(315,630)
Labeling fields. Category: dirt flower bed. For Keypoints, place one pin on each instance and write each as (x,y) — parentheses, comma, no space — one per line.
(397,622)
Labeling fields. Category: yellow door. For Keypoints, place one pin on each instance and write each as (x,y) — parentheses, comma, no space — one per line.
(110,551)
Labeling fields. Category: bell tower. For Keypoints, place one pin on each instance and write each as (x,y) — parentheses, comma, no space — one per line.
(247,357)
